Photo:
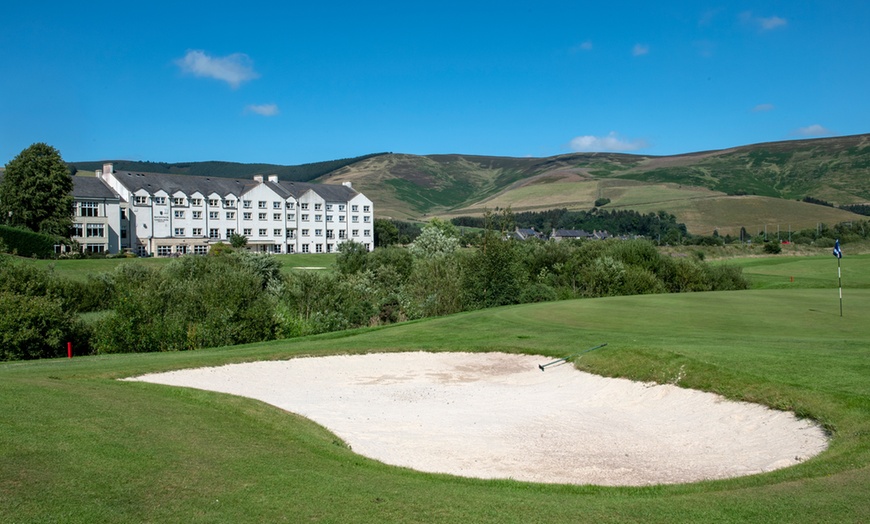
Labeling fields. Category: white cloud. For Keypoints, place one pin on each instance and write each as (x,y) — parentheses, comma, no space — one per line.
(584,46)
(233,69)
(763,23)
(813,130)
(611,142)
(762,108)
(262,109)
(640,50)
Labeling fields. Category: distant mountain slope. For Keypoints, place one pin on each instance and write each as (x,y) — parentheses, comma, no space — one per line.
(300,173)
(724,190)
(833,169)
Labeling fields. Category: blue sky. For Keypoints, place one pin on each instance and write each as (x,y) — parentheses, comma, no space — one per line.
(313,81)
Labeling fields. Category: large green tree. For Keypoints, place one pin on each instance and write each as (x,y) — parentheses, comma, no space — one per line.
(36,191)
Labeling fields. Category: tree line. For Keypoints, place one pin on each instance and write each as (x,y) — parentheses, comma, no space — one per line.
(236,296)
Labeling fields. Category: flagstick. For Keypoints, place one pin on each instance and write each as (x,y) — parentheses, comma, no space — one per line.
(840,282)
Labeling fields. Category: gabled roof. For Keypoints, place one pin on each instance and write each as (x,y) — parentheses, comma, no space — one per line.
(571,233)
(92,187)
(187,184)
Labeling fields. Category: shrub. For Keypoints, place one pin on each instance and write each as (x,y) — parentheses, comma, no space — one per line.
(34,327)
(772,248)
(26,243)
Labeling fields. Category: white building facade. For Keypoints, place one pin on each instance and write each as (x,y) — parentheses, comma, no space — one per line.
(167,215)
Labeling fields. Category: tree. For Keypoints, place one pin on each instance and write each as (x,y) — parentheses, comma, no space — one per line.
(238,241)
(36,192)
(386,233)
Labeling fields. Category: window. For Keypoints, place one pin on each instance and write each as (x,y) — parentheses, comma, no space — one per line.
(319,248)
(355,233)
(261,204)
(367,233)
(317,207)
(318,232)
(330,233)
(342,233)
(318,218)
(214,233)
(305,248)
(230,232)
(181,250)
(213,215)
(197,202)
(329,248)
(179,232)
(214,202)
(305,232)
(247,231)
(290,233)
(200,250)
(291,216)
(230,204)
(329,207)
(261,216)
(179,213)
(304,217)
(341,207)
(197,215)
(178,201)
(78,230)
(94,230)
(354,208)
(160,201)
(141,200)
(289,205)
(123,233)
(95,248)
(89,209)
(232,216)
(164,251)
(367,218)
(276,232)
(262,232)
(291,248)
(247,204)
(276,216)
(123,214)
(276,205)
(246,216)
(341,218)
(304,205)
(355,219)
(197,231)
(366,209)
(329,218)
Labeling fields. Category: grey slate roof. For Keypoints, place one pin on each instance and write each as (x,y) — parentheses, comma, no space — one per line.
(92,187)
(188,184)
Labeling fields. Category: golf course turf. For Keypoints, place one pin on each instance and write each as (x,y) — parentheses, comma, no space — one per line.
(76,445)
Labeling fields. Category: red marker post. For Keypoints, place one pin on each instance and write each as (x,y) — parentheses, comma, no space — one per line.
(69,350)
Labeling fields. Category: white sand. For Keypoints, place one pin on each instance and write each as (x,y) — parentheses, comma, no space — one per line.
(496,415)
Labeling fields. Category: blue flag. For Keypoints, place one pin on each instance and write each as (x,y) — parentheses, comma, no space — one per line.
(837,252)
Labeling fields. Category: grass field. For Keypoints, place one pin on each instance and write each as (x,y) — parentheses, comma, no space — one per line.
(76,445)
(80,269)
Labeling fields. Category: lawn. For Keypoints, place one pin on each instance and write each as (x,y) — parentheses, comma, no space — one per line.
(76,445)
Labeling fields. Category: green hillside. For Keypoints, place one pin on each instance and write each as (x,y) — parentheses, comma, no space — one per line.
(300,173)
(754,186)
(740,187)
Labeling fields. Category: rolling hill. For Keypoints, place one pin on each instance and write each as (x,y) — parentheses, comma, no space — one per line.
(754,186)
(751,186)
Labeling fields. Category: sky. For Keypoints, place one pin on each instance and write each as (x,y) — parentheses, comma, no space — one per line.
(261,82)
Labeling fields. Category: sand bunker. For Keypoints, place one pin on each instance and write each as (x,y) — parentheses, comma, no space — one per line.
(496,415)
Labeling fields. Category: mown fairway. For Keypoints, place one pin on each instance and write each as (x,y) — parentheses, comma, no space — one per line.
(76,445)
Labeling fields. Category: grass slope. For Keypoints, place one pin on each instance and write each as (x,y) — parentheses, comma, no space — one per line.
(413,187)
(78,446)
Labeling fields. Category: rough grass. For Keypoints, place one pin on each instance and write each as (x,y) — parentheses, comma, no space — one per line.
(78,446)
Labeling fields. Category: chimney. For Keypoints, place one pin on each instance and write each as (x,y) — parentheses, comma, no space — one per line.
(258,178)
(108,169)
(347,184)
(273,178)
